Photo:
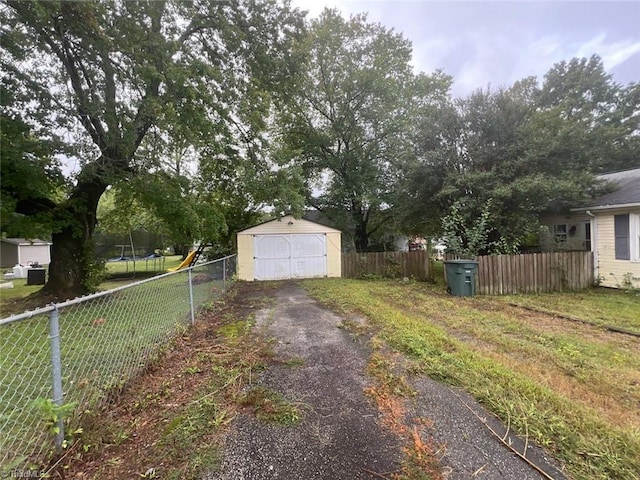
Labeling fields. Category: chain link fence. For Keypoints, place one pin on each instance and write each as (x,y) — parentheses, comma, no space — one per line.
(78,354)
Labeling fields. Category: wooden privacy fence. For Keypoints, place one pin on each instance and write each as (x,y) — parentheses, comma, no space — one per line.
(534,272)
(387,264)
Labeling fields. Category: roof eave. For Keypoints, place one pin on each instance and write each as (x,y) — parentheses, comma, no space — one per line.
(606,207)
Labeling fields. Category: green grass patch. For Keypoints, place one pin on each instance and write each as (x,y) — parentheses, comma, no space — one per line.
(156,264)
(602,306)
(19,290)
(294,362)
(269,406)
(235,329)
(463,342)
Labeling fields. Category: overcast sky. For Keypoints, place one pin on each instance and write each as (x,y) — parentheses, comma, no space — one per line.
(481,42)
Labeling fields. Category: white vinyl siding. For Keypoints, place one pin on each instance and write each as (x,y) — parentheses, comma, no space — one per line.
(612,270)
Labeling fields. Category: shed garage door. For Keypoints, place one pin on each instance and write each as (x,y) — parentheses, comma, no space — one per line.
(278,257)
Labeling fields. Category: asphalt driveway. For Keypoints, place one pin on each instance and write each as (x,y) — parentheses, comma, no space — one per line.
(341,435)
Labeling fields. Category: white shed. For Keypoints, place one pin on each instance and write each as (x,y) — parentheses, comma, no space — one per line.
(289,248)
(21,251)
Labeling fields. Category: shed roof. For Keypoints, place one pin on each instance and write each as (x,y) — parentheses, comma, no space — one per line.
(626,193)
(288,224)
(25,241)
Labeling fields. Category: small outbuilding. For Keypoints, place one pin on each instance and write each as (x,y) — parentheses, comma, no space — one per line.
(22,251)
(289,248)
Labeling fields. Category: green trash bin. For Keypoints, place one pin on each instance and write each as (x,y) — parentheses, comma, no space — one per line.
(461,277)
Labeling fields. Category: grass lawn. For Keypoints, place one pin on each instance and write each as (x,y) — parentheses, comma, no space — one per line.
(159,265)
(602,306)
(14,300)
(19,290)
(571,387)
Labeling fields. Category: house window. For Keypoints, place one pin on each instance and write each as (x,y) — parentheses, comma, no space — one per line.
(587,236)
(560,233)
(621,233)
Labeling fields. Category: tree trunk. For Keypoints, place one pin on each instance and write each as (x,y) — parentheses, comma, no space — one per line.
(73,269)
(182,250)
(361,238)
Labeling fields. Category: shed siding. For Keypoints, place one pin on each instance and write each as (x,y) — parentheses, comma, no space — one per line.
(334,255)
(610,270)
(245,257)
(288,225)
(282,226)
(35,253)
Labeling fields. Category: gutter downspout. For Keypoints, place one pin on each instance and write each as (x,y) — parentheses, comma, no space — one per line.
(594,244)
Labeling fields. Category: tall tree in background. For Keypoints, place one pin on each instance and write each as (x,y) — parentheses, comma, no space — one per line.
(584,120)
(350,121)
(109,72)
(31,181)
(530,149)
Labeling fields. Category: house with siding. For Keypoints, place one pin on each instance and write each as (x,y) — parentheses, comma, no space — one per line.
(22,251)
(609,226)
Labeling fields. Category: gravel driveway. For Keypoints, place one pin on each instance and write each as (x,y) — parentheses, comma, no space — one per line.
(340,436)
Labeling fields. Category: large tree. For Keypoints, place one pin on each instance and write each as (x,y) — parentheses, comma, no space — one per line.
(108,73)
(350,122)
(531,148)
(585,120)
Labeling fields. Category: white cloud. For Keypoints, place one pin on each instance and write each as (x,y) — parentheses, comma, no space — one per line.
(432,54)
(612,54)
(499,43)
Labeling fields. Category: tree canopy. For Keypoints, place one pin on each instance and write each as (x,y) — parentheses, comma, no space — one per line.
(111,74)
(528,149)
(349,125)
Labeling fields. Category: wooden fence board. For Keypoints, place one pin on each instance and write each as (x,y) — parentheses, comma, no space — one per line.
(387,264)
(497,274)
(533,273)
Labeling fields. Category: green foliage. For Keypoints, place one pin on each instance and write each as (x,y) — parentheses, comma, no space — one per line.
(627,282)
(53,413)
(122,80)
(470,240)
(528,149)
(348,125)
(31,179)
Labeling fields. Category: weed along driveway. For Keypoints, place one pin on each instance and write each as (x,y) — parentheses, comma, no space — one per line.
(335,403)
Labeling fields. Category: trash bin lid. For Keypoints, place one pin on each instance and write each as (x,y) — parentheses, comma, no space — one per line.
(462,262)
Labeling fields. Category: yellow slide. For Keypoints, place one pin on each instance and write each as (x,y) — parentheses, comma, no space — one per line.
(185,263)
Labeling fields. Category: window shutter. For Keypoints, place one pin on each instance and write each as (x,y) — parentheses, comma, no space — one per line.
(621,229)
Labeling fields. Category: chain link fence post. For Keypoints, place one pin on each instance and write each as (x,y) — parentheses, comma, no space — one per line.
(56,364)
(191,305)
(224,275)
